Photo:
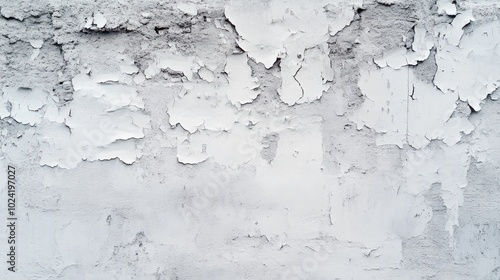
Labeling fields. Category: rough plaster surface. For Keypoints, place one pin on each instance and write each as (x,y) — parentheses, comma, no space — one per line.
(280,139)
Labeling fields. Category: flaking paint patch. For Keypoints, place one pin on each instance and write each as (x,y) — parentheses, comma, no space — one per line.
(23,104)
(404,109)
(399,57)
(469,68)
(173,62)
(200,106)
(291,33)
(96,21)
(241,88)
(101,123)
(447,166)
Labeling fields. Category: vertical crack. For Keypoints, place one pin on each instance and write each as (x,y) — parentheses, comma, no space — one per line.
(295,78)
(408,102)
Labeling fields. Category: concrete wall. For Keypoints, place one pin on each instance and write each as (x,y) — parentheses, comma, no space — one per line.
(251,139)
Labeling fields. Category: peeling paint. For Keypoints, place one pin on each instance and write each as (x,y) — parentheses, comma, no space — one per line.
(187,66)
(471,65)
(404,110)
(101,123)
(97,21)
(242,88)
(204,139)
(399,57)
(291,36)
(23,104)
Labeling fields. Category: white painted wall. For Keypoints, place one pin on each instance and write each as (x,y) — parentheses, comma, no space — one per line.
(251,139)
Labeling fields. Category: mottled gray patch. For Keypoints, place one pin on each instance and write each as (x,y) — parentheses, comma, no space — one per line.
(270,142)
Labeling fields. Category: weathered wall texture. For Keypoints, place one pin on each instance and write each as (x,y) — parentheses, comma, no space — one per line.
(273,139)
